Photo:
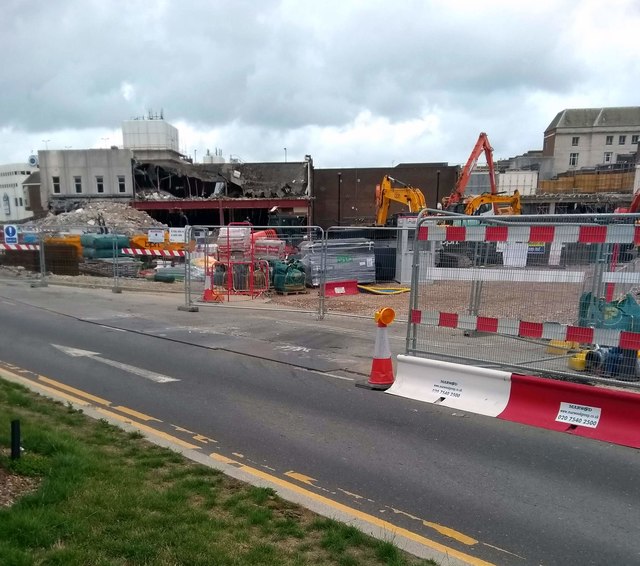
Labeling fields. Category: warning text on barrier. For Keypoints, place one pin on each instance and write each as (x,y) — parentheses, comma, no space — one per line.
(446,388)
(580,415)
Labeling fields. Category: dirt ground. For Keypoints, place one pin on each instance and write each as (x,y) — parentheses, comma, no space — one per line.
(534,302)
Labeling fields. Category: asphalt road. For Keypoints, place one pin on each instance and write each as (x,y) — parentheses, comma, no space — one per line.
(495,490)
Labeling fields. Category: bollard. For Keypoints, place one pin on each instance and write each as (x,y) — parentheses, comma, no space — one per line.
(15,439)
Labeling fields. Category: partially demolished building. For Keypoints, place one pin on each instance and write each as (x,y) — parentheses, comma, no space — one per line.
(151,174)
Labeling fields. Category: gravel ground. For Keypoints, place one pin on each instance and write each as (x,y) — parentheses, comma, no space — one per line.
(12,487)
(534,302)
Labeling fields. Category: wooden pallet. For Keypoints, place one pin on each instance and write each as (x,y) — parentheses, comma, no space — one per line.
(293,292)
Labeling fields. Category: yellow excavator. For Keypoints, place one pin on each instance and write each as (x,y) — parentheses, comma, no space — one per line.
(500,204)
(405,194)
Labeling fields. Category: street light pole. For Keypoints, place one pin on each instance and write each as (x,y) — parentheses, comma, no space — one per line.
(285,154)
(437,187)
(339,198)
(46,144)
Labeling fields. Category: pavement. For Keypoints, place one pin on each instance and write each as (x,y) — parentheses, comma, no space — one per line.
(337,344)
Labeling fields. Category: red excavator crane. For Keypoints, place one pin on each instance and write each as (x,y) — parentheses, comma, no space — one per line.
(457,195)
(635,205)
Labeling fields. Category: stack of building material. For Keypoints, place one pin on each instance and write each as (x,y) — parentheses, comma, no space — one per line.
(347,259)
(234,241)
(268,249)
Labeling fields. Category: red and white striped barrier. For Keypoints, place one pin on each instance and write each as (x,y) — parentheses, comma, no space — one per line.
(613,234)
(523,329)
(20,247)
(593,412)
(161,253)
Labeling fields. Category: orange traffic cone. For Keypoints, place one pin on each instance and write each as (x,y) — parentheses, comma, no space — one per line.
(209,295)
(381,376)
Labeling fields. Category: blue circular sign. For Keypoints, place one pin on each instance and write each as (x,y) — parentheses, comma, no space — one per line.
(10,231)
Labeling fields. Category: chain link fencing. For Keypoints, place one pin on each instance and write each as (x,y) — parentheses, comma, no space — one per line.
(553,295)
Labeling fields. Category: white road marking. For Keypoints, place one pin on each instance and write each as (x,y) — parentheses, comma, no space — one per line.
(147,374)
(112,328)
(325,374)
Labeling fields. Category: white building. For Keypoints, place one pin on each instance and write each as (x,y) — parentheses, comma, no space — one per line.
(587,138)
(525,182)
(13,200)
(149,134)
(71,177)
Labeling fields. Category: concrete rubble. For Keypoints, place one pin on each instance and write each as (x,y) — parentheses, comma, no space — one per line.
(118,217)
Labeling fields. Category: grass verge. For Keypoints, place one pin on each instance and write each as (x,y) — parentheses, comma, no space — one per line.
(108,497)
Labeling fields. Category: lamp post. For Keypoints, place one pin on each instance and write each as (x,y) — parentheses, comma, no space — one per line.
(46,143)
(285,154)
(339,198)
(437,187)
(105,140)
(195,156)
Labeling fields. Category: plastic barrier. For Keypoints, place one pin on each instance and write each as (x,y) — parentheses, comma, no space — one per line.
(339,288)
(594,412)
(467,388)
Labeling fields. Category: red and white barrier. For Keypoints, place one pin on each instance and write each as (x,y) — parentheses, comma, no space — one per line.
(20,247)
(612,234)
(593,412)
(160,253)
(541,330)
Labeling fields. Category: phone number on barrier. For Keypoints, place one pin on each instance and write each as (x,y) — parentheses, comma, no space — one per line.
(581,415)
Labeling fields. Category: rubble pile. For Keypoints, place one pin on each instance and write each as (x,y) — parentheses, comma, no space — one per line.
(112,215)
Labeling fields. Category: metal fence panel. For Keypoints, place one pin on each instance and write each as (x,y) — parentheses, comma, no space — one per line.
(248,266)
(547,295)
(369,267)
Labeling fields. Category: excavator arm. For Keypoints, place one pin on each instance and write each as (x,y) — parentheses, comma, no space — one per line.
(482,145)
(386,192)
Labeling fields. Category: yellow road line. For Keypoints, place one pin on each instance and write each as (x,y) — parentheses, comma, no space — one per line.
(301,478)
(446,531)
(73,390)
(57,393)
(220,458)
(135,414)
(367,518)
(150,430)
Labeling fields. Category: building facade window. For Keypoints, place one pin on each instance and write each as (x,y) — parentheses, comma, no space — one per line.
(608,156)
(609,140)
(122,187)
(77,181)
(100,184)
(635,138)
(573,159)
(575,140)
(56,185)
(622,140)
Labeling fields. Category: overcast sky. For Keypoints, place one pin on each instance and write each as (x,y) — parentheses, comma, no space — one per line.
(361,83)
